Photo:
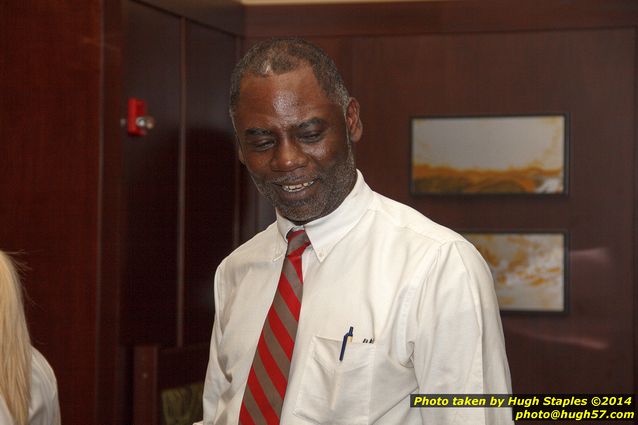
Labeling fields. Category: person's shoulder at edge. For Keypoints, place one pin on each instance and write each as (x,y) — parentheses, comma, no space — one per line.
(43,372)
(44,407)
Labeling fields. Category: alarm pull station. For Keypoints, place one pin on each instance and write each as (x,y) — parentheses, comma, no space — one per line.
(138,122)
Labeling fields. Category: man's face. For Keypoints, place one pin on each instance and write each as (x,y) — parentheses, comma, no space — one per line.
(296,143)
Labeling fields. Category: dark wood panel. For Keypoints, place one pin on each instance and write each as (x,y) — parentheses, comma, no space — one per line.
(223,15)
(590,76)
(110,386)
(150,179)
(65,184)
(49,141)
(210,166)
(450,16)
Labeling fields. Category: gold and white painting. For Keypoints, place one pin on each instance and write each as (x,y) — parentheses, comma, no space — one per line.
(482,155)
(528,269)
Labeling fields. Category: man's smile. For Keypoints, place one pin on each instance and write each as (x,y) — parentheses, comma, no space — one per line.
(297,187)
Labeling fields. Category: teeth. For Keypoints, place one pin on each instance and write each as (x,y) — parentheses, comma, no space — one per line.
(297,187)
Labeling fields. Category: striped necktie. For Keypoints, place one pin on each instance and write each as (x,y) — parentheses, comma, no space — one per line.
(268,377)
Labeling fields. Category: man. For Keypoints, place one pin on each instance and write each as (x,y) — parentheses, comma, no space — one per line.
(350,301)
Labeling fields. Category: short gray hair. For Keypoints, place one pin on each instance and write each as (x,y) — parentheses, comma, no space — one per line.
(281,55)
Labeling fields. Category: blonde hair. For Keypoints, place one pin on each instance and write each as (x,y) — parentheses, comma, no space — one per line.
(15,344)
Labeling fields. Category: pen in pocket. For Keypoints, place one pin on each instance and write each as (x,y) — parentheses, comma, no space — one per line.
(346,338)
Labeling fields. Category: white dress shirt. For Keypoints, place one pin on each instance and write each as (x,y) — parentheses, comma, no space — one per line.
(420,292)
(44,408)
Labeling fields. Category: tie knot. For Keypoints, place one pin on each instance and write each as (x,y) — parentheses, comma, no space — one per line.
(297,242)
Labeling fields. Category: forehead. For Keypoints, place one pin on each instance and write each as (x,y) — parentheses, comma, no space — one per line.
(286,95)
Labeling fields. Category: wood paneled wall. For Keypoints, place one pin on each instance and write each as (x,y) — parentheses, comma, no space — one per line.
(104,223)
(50,98)
(85,206)
(150,178)
(502,58)
(527,73)
(212,174)
(436,17)
(179,180)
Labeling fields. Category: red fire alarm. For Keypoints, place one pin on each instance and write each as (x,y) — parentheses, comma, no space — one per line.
(138,121)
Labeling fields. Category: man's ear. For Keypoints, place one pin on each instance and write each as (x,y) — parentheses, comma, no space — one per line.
(353,120)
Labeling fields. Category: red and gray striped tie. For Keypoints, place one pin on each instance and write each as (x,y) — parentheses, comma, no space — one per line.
(268,377)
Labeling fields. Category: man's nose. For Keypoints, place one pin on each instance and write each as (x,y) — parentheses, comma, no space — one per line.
(288,156)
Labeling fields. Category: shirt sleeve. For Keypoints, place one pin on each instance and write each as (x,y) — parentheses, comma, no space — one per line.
(214,383)
(456,336)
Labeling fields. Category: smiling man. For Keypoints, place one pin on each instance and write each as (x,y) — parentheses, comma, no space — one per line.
(295,142)
(350,301)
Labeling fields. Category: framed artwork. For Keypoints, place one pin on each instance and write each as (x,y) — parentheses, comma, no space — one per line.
(489,155)
(529,269)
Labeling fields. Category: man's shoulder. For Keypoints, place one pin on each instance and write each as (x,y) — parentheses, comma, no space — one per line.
(408,232)
(258,248)
(403,217)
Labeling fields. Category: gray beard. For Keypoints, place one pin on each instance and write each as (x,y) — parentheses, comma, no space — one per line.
(337,186)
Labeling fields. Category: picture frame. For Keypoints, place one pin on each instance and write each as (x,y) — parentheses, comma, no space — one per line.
(529,268)
(490,155)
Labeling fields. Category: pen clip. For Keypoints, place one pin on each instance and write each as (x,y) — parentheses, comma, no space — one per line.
(347,337)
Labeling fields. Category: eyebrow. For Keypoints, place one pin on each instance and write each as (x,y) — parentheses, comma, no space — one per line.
(310,122)
(257,132)
(302,125)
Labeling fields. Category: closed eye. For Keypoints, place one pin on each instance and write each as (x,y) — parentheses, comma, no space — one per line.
(259,139)
(260,145)
(311,130)
(311,136)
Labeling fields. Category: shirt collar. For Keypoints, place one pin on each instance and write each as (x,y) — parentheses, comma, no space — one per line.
(325,232)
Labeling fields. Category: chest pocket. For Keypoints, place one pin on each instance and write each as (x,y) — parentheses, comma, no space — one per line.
(332,391)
